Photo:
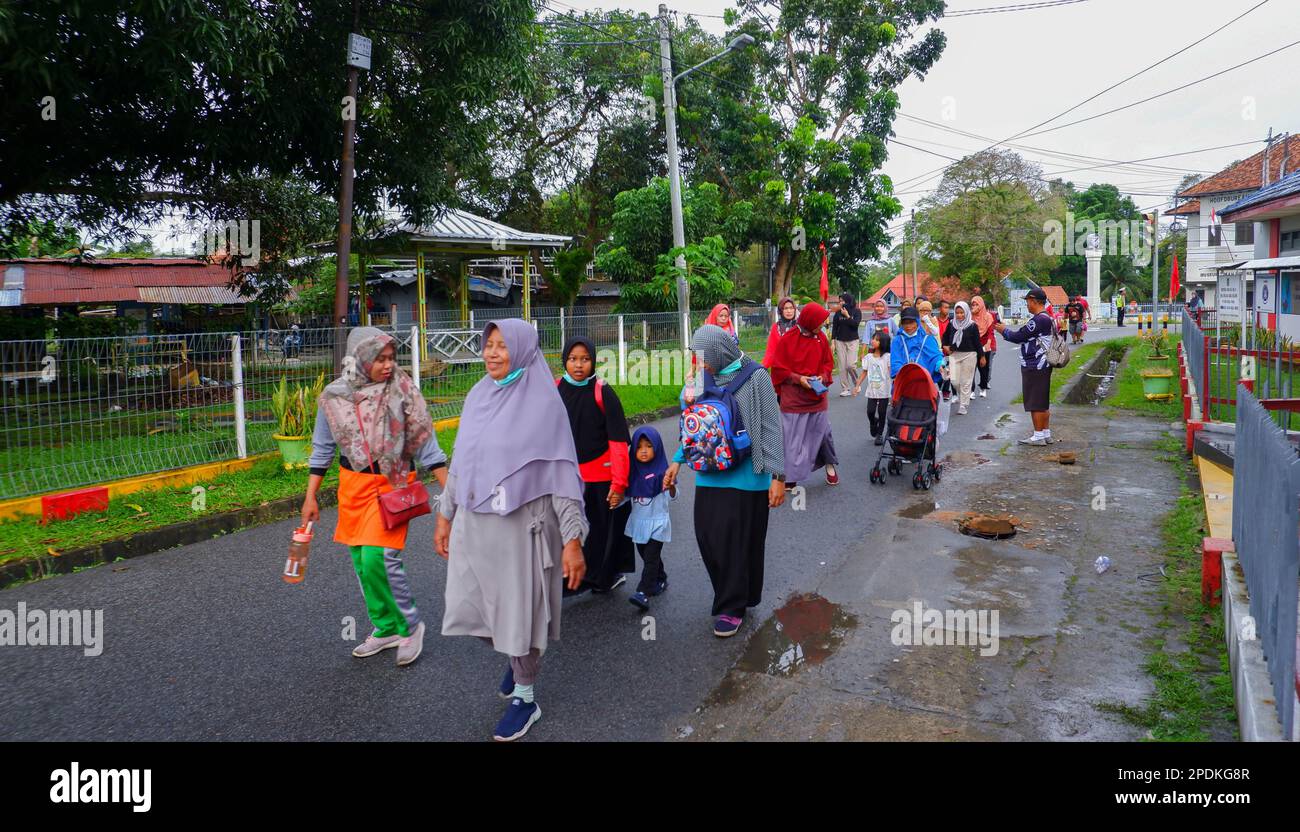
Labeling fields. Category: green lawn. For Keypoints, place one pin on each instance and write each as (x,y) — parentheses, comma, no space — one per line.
(1128,393)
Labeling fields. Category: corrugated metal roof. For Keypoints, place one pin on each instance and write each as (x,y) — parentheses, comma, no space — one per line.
(1286,186)
(213,295)
(456,226)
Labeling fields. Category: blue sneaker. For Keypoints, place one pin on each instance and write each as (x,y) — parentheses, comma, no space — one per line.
(639,600)
(660,586)
(726,626)
(519,717)
(507,683)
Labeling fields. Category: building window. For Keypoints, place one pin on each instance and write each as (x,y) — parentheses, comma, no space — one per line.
(1215,236)
(1245,233)
(1290,241)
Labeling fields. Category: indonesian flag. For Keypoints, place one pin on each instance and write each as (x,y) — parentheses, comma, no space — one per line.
(1216,225)
(825,288)
(1173,280)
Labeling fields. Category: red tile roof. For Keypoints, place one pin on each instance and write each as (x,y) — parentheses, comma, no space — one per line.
(948,288)
(1193,207)
(1245,175)
(1056,295)
(49,281)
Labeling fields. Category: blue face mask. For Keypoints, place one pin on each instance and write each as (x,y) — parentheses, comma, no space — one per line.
(510,378)
(582,383)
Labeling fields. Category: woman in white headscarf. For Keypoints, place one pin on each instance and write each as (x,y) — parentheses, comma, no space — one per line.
(961,343)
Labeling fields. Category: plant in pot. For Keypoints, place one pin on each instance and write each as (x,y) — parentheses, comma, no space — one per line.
(295,416)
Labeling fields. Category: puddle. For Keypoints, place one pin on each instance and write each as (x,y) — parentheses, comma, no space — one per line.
(989,526)
(963,459)
(917,510)
(806,630)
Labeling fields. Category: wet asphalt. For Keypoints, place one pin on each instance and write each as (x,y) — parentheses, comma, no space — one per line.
(205,642)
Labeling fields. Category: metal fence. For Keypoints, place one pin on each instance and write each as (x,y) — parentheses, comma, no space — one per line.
(1265,502)
(1196,357)
(76,412)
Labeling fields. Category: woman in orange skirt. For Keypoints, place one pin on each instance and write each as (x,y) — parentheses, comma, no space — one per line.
(376,418)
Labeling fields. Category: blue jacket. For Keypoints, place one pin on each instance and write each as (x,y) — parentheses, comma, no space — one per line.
(918,348)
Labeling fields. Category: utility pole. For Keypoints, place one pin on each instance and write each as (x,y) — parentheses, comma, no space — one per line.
(358,58)
(1155,268)
(915,292)
(674,171)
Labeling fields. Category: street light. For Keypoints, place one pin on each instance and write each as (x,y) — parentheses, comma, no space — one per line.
(674,172)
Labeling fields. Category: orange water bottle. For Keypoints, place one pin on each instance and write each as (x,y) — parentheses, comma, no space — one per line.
(295,568)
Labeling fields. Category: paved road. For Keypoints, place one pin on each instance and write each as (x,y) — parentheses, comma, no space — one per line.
(206,643)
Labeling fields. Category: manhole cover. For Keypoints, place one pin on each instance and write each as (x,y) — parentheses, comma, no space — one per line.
(989,526)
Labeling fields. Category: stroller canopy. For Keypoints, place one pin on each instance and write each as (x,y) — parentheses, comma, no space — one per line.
(914,382)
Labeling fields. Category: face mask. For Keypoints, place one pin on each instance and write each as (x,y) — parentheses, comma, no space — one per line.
(582,383)
(510,379)
(732,367)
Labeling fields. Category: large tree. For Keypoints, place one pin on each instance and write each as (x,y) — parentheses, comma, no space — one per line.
(987,218)
(797,124)
(117,113)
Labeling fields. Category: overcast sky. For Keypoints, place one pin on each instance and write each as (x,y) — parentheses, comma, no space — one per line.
(1002,73)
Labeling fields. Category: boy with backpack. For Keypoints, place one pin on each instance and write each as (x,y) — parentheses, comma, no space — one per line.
(1042,347)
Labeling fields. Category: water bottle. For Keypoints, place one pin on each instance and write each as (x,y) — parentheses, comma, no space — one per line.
(1102,564)
(295,568)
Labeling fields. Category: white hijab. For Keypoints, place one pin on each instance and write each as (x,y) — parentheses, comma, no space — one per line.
(958,322)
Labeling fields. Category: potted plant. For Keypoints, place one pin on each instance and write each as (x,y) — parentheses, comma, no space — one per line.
(295,416)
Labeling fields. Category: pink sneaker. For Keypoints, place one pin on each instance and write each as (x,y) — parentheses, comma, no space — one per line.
(375,644)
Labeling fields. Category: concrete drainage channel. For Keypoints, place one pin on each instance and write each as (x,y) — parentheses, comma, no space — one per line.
(1096,381)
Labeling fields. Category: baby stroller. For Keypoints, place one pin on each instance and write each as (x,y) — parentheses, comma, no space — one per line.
(911,428)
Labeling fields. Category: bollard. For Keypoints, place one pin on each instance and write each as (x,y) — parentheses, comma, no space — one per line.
(1212,549)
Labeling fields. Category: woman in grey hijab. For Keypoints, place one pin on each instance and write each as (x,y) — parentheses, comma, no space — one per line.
(731,506)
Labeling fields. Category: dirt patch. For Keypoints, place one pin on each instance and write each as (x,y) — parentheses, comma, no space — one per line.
(989,526)
(1064,458)
(963,459)
(986,436)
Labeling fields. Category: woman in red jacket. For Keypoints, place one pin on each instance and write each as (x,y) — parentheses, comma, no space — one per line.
(786,312)
(801,371)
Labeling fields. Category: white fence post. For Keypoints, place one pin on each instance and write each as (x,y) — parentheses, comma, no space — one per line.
(562,339)
(471,319)
(622,353)
(241,429)
(415,355)
(645,335)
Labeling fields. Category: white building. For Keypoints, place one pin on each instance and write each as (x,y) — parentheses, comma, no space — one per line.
(1210,245)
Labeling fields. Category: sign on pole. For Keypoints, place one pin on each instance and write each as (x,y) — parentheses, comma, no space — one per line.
(1228,297)
(359,51)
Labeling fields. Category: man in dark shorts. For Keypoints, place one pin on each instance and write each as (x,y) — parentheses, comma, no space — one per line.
(1074,316)
(1035,373)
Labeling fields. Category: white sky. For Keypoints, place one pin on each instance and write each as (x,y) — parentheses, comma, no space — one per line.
(1002,73)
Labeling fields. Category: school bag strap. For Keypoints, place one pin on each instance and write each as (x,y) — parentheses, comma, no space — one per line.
(600,391)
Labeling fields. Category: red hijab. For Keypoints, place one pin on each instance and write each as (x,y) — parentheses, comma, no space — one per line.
(731,319)
(804,350)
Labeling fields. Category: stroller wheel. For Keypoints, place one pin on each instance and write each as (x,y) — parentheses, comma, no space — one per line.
(925,482)
(875,475)
(937,472)
(916,480)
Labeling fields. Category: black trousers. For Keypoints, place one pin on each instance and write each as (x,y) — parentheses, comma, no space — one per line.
(608,551)
(653,572)
(986,372)
(1119,313)
(876,410)
(731,530)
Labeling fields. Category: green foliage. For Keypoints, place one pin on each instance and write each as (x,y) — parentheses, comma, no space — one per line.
(295,407)
(570,271)
(708,266)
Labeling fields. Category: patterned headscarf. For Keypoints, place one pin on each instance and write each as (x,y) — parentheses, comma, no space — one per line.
(393,422)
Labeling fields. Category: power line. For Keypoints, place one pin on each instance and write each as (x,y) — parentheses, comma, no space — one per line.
(1018,7)
(1166,92)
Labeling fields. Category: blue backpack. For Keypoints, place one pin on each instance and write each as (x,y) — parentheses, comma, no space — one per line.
(713,433)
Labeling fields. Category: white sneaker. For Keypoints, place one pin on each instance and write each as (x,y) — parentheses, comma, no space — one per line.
(846,392)
(1033,440)
(409,649)
(375,644)
(984,394)
(961,411)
